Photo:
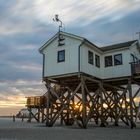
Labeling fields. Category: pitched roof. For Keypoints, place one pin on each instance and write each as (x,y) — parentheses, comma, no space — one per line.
(55,36)
(117,46)
(67,34)
(102,49)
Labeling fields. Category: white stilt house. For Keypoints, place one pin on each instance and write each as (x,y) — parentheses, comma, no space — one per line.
(78,55)
(93,77)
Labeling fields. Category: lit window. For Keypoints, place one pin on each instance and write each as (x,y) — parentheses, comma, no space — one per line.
(97,61)
(61,56)
(108,61)
(90,57)
(118,59)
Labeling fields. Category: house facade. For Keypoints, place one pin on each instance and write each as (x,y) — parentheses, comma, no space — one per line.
(78,55)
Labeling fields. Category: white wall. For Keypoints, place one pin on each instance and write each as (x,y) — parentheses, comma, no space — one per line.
(117,70)
(103,72)
(85,66)
(70,65)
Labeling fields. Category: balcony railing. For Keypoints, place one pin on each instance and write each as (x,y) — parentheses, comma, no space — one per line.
(135,67)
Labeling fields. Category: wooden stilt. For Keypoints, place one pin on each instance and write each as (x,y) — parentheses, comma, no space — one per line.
(116,107)
(39,114)
(42,115)
(84,116)
(48,104)
(131,103)
(101,103)
(30,115)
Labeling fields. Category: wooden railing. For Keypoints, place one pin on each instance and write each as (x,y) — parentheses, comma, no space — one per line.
(36,101)
(135,67)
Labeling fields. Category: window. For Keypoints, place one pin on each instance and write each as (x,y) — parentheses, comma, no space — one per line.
(97,61)
(118,59)
(61,56)
(108,61)
(90,57)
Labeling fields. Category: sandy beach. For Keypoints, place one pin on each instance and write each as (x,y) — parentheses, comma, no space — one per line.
(19,130)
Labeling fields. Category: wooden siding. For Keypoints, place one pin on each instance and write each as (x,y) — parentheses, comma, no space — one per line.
(70,65)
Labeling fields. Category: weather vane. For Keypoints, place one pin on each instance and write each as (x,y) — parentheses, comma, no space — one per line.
(60,36)
(56,19)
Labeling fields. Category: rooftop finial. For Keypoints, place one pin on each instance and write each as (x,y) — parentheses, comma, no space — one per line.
(56,19)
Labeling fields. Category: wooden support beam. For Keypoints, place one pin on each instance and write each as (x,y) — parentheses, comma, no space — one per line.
(116,108)
(38,115)
(33,115)
(30,115)
(131,103)
(101,104)
(91,79)
(56,116)
(48,104)
(84,111)
(42,114)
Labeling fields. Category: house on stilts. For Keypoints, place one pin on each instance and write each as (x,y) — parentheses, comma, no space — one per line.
(86,82)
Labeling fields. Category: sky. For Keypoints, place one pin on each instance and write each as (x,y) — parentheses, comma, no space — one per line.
(26,25)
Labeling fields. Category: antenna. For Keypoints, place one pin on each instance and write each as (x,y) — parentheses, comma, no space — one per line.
(56,19)
(61,39)
(138,34)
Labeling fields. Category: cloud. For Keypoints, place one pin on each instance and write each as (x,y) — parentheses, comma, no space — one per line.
(90,11)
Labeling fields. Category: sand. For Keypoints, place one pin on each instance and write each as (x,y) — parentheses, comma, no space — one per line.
(19,130)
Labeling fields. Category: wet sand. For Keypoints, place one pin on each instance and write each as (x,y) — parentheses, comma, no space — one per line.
(19,130)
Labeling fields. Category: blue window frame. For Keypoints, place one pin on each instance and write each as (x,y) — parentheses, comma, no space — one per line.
(97,61)
(108,61)
(90,57)
(61,56)
(118,59)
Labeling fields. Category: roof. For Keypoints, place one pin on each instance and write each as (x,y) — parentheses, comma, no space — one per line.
(67,34)
(56,35)
(117,46)
(101,49)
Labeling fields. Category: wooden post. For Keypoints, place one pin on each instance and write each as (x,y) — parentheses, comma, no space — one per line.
(116,107)
(42,114)
(48,104)
(84,116)
(68,107)
(102,107)
(61,119)
(38,114)
(131,103)
(30,115)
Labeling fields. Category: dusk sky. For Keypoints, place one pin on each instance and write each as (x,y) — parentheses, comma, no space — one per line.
(25,25)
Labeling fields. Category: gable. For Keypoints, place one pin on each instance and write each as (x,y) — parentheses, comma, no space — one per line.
(55,37)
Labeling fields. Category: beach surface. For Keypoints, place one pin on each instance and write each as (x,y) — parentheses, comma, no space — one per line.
(19,130)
